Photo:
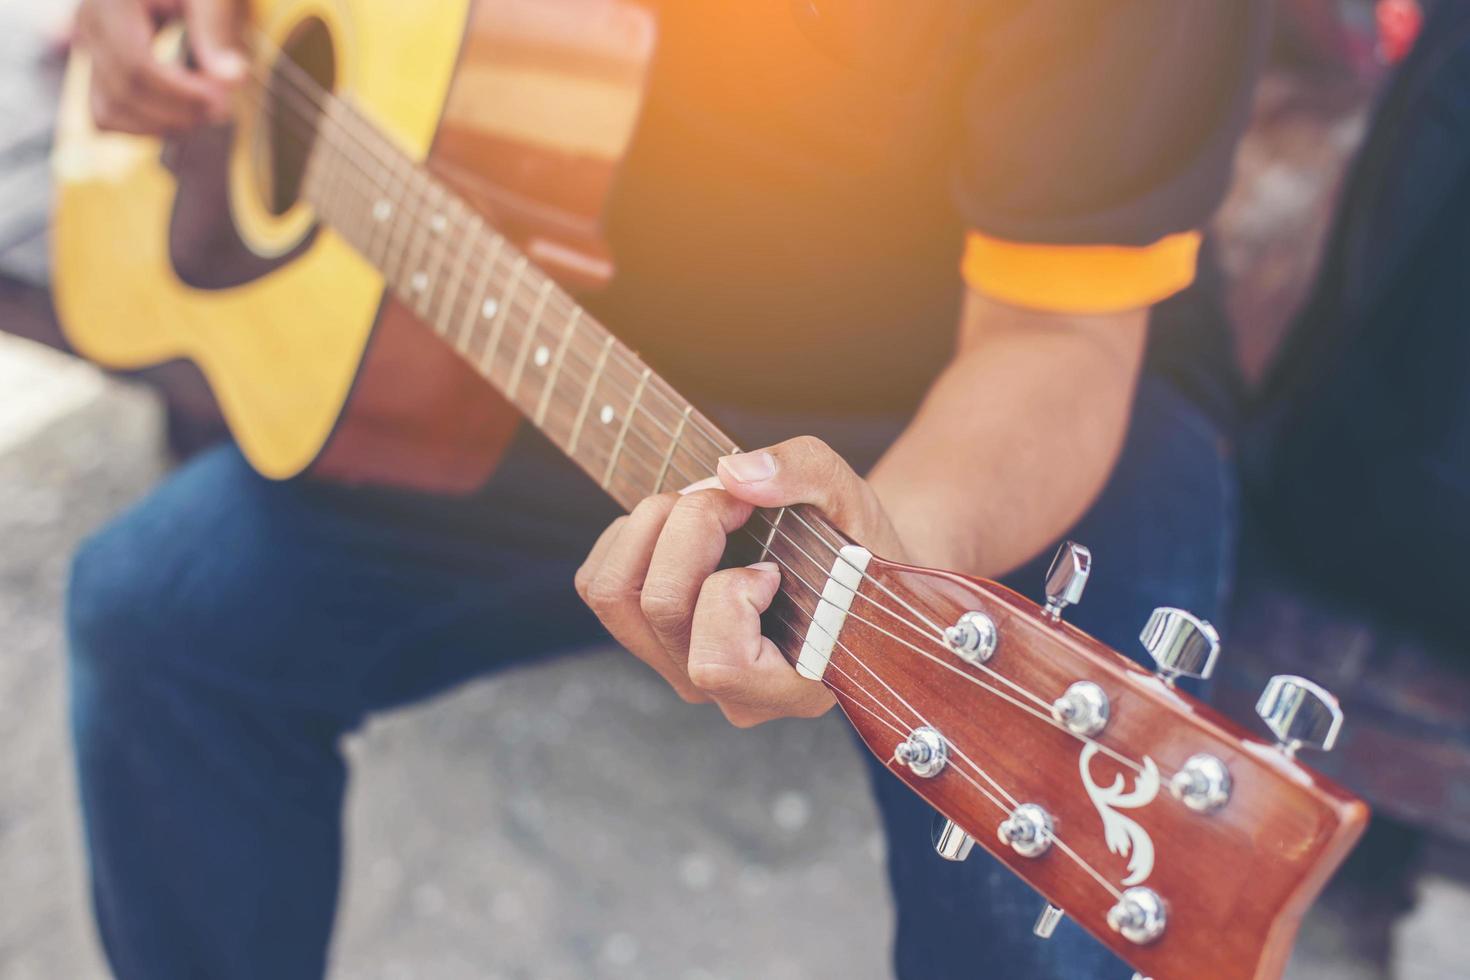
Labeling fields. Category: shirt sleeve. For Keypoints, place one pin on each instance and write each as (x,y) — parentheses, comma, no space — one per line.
(1098,138)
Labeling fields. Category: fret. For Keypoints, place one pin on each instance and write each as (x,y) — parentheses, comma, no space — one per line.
(612,461)
(377,185)
(334,208)
(345,209)
(316,181)
(456,276)
(418,280)
(392,263)
(439,234)
(607,346)
(331,206)
(551,376)
(771,535)
(317,187)
(381,213)
(663,468)
(386,211)
(506,298)
(527,339)
(477,301)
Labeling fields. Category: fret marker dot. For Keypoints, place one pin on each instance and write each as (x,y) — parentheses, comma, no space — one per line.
(438,223)
(382,211)
(607,415)
(542,357)
(490,308)
(419,282)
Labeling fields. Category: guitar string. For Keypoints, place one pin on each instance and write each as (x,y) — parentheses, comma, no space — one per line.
(698,427)
(1056,839)
(1061,845)
(898,726)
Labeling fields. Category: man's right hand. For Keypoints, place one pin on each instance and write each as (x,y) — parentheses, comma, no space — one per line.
(134,92)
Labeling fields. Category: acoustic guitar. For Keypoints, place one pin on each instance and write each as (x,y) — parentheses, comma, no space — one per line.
(400,214)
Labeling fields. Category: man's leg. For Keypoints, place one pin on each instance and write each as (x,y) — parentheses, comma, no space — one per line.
(1161,534)
(227,632)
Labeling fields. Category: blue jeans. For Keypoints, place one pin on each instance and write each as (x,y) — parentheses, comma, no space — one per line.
(228,631)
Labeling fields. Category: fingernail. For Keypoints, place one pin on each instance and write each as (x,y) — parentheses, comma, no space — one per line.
(750,467)
(229,65)
(708,483)
(766,566)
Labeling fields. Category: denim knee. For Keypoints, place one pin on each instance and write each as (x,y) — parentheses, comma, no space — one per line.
(107,600)
(100,614)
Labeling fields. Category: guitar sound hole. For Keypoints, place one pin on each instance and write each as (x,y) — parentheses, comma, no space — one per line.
(292,111)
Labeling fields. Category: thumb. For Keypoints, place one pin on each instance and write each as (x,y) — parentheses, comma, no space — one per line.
(805,470)
(214,28)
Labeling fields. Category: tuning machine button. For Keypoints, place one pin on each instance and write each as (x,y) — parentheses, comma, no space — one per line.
(1182,644)
(1300,713)
(1066,579)
(1047,921)
(1139,916)
(950,841)
(1202,783)
(1028,830)
(1083,709)
(973,637)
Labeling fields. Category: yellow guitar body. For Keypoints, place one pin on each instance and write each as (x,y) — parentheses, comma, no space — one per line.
(280,351)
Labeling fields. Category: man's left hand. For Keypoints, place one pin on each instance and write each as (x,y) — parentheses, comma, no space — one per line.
(652,578)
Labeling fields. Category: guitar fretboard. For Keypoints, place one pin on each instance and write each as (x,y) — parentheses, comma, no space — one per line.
(576,382)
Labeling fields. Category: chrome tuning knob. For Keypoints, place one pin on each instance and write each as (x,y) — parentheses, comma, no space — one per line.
(1140,916)
(924,752)
(1182,644)
(950,840)
(1082,710)
(1203,783)
(973,638)
(1066,578)
(1300,714)
(1028,830)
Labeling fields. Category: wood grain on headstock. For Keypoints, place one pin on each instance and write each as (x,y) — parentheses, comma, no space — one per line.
(1236,881)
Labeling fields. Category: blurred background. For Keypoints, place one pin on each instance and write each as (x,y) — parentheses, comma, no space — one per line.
(546,824)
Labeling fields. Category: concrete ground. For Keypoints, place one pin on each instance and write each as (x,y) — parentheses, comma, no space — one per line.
(568,820)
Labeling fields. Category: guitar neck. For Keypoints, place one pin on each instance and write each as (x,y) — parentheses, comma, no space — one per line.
(586,391)
(591,395)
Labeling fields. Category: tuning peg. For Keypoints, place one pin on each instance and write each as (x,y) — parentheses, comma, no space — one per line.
(1066,578)
(1047,921)
(973,637)
(1140,915)
(1083,709)
(951,842)
(1182,644)
(1300,713)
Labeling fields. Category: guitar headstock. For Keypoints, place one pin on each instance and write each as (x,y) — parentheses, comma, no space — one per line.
(1187,844)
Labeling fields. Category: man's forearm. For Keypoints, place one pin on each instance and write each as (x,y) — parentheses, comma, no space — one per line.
(1016,438)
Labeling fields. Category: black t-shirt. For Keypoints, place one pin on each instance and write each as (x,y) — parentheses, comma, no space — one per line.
(789,223)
